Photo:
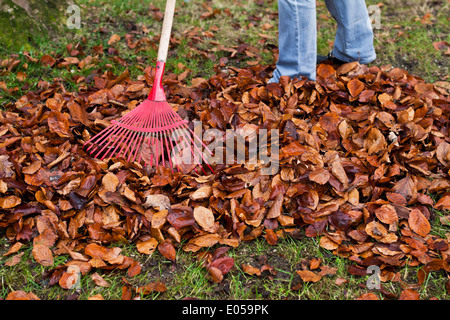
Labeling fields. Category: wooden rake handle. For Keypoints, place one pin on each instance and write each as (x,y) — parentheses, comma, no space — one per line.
(166,30)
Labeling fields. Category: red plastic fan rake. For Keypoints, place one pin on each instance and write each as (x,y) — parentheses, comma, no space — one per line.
(152,131)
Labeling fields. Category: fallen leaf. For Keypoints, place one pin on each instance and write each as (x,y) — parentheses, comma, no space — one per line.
(21,295)
(110,182)
(147,247)
(355,87)
(418,223)
(167,250)
(250,270)
(308,276)
(368,296)
(157,201)
(320,175)
(113,39)
(156,286)
(70,278)
(47,60)
(99,280)
(205,218)
(216,274)
(409,294)
(43,255)
(387,214)
(224,264)
(9,202)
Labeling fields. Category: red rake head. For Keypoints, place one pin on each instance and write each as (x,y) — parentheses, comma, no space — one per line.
(152,132)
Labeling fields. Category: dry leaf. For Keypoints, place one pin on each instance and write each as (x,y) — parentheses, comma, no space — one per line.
(113,39)
(167,250)
(43,255)
(387,214)
(110,182)
(308,276)
(205,218)
(157,201)
(99,280)
(418,223)
(147,247)
(9,202)
(250,269)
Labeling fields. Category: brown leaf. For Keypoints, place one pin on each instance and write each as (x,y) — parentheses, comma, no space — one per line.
(376,230)
(159,219)
(320,176)
(199,242)
(32,168)
(110,182)
(14,260)
(9,202)
(406,187)
(134,269)
(47,60)
(156,286)
(167,250)
(96,251)
(201,193)
(14,248)
(327,243)
(157,201)
(271,237)
(368,296)
(314,263)
(387,214)
(275,209)
(43,255)
(355,87)
(443,153)
(113,39)
(70,278)
(409,294)
(250,270)
(325,71)
(374,141)
(78,113)
(224,264)
(216,274)
(205,218)
(418,223)
(147,247)
(21,295)
(58,123)
(99,280)
(308,276)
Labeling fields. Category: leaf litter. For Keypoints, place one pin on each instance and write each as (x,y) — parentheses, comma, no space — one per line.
(361,151)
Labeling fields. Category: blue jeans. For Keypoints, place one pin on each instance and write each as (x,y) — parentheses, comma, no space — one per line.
(297,40)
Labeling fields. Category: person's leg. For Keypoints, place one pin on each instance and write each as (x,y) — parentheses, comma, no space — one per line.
(296,40)
(354,36)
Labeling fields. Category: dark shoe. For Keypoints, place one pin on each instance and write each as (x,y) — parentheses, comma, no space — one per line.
(330,58)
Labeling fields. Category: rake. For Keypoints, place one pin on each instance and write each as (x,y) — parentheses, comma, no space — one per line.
(153,131)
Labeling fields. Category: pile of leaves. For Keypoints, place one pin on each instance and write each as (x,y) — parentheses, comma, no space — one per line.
(364,162)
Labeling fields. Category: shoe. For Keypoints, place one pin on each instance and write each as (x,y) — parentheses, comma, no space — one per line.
(331,58)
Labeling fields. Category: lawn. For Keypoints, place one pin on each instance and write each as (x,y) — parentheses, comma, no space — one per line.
(119,37)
